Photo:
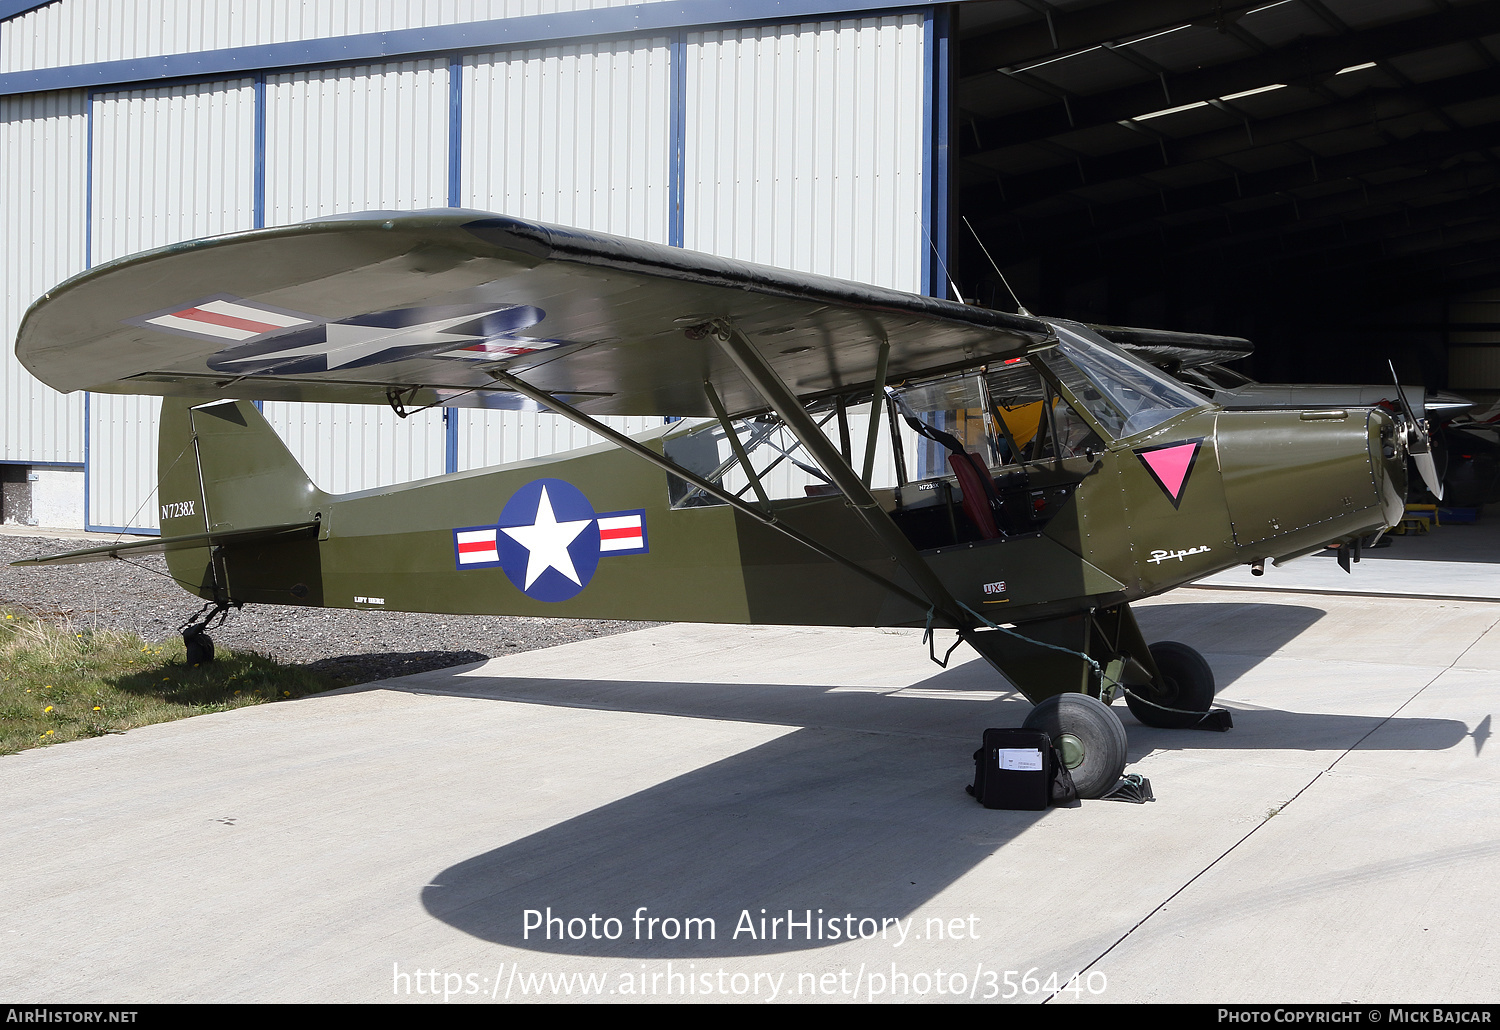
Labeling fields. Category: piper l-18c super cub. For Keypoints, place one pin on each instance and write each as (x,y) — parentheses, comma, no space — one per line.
(842,455)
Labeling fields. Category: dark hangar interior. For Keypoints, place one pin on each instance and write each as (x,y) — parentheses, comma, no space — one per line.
(1319,176)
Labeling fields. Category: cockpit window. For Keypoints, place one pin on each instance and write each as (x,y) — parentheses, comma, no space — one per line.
(1123,394)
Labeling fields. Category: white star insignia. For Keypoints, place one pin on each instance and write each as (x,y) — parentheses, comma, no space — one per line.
(346,343)
(547,541)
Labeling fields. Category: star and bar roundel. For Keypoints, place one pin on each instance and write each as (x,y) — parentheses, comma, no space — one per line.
(1170,465)
(549,540)
(258,339)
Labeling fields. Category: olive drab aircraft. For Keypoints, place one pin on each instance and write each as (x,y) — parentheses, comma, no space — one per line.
(832,454)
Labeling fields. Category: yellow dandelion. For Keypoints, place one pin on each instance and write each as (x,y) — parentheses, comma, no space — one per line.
(98,709)
(47,709)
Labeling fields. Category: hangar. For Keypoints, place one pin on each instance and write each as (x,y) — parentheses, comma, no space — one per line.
(1316,175)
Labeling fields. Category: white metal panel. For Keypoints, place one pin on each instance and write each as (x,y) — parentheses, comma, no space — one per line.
(578,135)
(43,169)
(169,164)
(120,477)
(349,447)
(804,147)
(70,32)
(172,163)
(356,139)
(500,437)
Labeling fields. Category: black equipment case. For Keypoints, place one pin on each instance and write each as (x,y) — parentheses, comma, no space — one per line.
(1014,769)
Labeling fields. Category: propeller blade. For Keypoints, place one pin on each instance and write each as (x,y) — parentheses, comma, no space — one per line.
(1428,468)
(1418,443)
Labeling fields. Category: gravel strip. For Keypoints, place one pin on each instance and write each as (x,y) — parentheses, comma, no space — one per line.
(353,646)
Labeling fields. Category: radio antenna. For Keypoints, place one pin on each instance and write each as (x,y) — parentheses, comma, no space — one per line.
(933,247)
(1021,308)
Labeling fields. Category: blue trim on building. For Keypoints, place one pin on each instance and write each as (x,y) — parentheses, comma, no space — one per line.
(927,152)
(455,199)
(455,130)
(942,118)
(450,440)
(259,201)
(11,8)
(42,464)
(505,33)
(132,530)
(88,262)
(937,78)
(677,160)
(86,414)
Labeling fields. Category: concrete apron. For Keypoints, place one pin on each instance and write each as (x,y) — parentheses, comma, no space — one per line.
(389,842)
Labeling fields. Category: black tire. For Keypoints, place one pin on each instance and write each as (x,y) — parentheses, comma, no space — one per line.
(1096,732)
(200,648)
(1188,685)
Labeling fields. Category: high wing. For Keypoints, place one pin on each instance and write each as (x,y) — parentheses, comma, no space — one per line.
(1172,351)
(440,307)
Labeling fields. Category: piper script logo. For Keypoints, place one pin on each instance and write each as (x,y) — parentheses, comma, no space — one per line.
(177,509)
(1157,557)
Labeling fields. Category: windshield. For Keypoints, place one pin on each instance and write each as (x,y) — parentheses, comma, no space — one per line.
(1124,394)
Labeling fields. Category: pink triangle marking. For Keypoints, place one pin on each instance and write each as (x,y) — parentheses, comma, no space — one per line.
(1171,465)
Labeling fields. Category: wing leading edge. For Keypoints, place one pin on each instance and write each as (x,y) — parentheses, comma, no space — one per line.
(437,307)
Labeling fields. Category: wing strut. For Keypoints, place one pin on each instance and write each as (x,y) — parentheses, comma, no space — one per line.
(780,397)
(662,461)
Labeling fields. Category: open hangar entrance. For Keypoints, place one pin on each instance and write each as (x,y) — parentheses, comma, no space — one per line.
(1319,176)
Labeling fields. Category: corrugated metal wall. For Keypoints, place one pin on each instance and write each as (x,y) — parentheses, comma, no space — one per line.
(798,145)
(357,139)
(804,147)
(171,163)
(577,135)
(43,147)
(90,31)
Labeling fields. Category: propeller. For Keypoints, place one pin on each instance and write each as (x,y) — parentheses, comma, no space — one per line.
(1418,442)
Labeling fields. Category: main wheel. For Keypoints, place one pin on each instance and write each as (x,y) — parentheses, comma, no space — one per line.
(1187,686)
(1089,737)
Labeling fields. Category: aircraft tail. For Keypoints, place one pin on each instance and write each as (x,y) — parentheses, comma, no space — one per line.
(222,469)
(240,520)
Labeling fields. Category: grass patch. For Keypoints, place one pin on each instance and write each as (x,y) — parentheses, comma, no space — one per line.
(61,682)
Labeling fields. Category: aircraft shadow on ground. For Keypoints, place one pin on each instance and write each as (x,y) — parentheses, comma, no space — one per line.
(822,823)
(872,823)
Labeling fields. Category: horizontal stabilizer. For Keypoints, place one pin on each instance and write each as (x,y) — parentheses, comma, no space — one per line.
(293,531)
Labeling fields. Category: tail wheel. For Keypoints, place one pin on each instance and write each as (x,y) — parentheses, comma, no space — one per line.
(200,648)
(1185,694)
(1088,736)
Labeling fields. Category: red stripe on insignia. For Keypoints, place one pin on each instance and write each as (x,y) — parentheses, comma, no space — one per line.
(476,545)
(228,321)
(618,534)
